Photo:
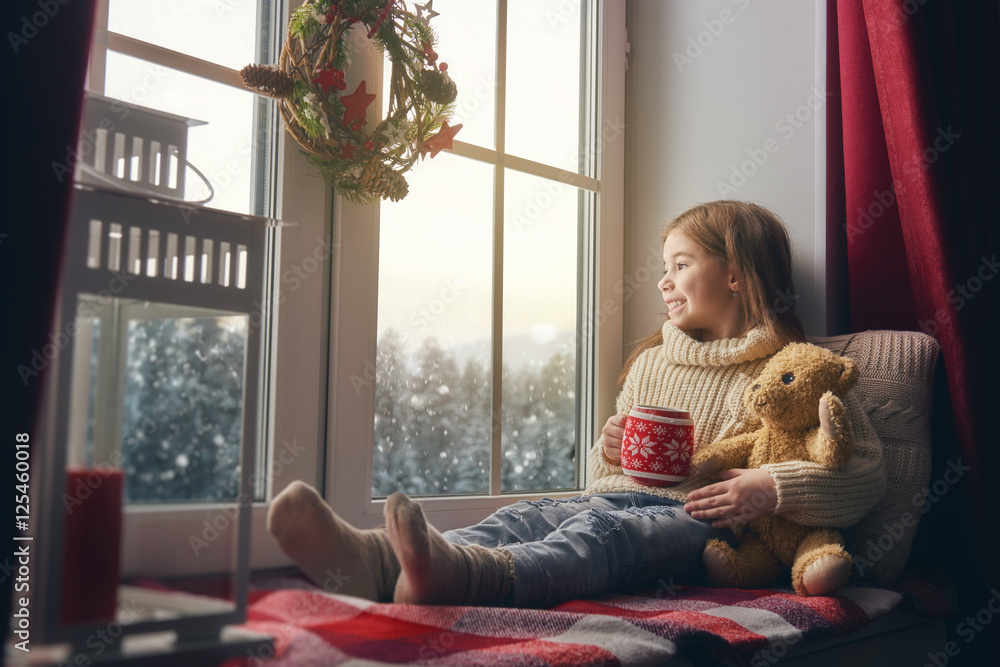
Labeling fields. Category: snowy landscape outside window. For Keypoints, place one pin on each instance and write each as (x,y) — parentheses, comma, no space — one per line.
(178,392)
(484,267)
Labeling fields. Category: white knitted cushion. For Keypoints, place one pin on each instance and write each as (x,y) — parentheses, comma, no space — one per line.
(895,389)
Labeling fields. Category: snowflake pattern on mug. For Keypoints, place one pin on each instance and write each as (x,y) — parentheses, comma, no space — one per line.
(677,450)
(639,445)
(656,446)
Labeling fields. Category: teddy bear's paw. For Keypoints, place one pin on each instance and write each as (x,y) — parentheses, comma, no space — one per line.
(832,414)
(708,467)
(718,560)
(705,463)
(826,415)
(826,574)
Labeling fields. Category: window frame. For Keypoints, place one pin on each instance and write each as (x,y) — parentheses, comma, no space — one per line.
(354,310)
(293,418)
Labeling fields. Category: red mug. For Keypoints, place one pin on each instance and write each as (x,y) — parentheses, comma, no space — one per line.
(658,444)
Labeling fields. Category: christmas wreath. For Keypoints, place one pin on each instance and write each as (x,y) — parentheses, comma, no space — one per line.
(363,163)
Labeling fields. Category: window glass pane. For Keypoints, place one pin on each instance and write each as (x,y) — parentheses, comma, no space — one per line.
(543,81)
(182,413)
(539,333)
(220,149)
(175,376)
(432,386)
(220,31)
(92,328)
(467,39)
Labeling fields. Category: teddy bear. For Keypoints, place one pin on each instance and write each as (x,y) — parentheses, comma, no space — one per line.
(802,419)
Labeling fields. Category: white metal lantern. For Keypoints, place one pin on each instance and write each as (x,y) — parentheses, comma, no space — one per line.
(137,261)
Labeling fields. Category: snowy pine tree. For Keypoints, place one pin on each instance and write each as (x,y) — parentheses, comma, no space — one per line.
(433,424)
(182,411)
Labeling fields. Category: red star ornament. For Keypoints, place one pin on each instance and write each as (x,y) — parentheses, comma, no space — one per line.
(348,151)
(355,105)
(327,79)
(443,140)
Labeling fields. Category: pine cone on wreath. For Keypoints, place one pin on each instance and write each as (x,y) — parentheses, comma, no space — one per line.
(382,181)
(268,80)
(437,86)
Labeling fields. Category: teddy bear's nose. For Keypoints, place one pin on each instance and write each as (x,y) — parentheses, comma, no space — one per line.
(755,387)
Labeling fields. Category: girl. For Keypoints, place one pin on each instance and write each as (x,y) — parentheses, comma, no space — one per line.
(725,264)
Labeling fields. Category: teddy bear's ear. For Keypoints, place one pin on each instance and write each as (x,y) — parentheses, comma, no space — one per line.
(848,375)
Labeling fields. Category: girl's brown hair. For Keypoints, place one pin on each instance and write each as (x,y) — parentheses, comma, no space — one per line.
(753,242)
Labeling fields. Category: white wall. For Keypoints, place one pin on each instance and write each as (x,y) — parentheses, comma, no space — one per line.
(707,82)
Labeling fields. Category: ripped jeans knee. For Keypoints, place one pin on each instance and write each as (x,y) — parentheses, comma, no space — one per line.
(601,523)
(652,510)
(549,502)
(516,511)
(512,513)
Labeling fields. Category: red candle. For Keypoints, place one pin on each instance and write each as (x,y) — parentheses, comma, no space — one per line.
(93,502)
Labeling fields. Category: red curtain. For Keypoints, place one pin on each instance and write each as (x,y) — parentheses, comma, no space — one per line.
(913,151)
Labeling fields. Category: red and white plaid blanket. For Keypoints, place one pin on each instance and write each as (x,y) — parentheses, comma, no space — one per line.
(311,627)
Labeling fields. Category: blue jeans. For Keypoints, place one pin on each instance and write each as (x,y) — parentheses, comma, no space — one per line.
(585,545)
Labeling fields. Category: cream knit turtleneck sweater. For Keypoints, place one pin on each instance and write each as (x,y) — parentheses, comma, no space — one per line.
(708,380)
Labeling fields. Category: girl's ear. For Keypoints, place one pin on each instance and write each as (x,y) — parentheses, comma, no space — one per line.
(735,284)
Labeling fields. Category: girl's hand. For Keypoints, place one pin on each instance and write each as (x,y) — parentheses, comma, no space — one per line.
(742,496)
(612,435)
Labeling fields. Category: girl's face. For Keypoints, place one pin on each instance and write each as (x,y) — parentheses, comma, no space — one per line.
(698,289)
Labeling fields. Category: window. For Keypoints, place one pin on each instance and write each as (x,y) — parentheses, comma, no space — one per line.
(184,58)
(163,392)
(468,349)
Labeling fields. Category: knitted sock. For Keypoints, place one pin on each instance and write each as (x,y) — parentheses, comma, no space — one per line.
(335,555)
(434,571)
